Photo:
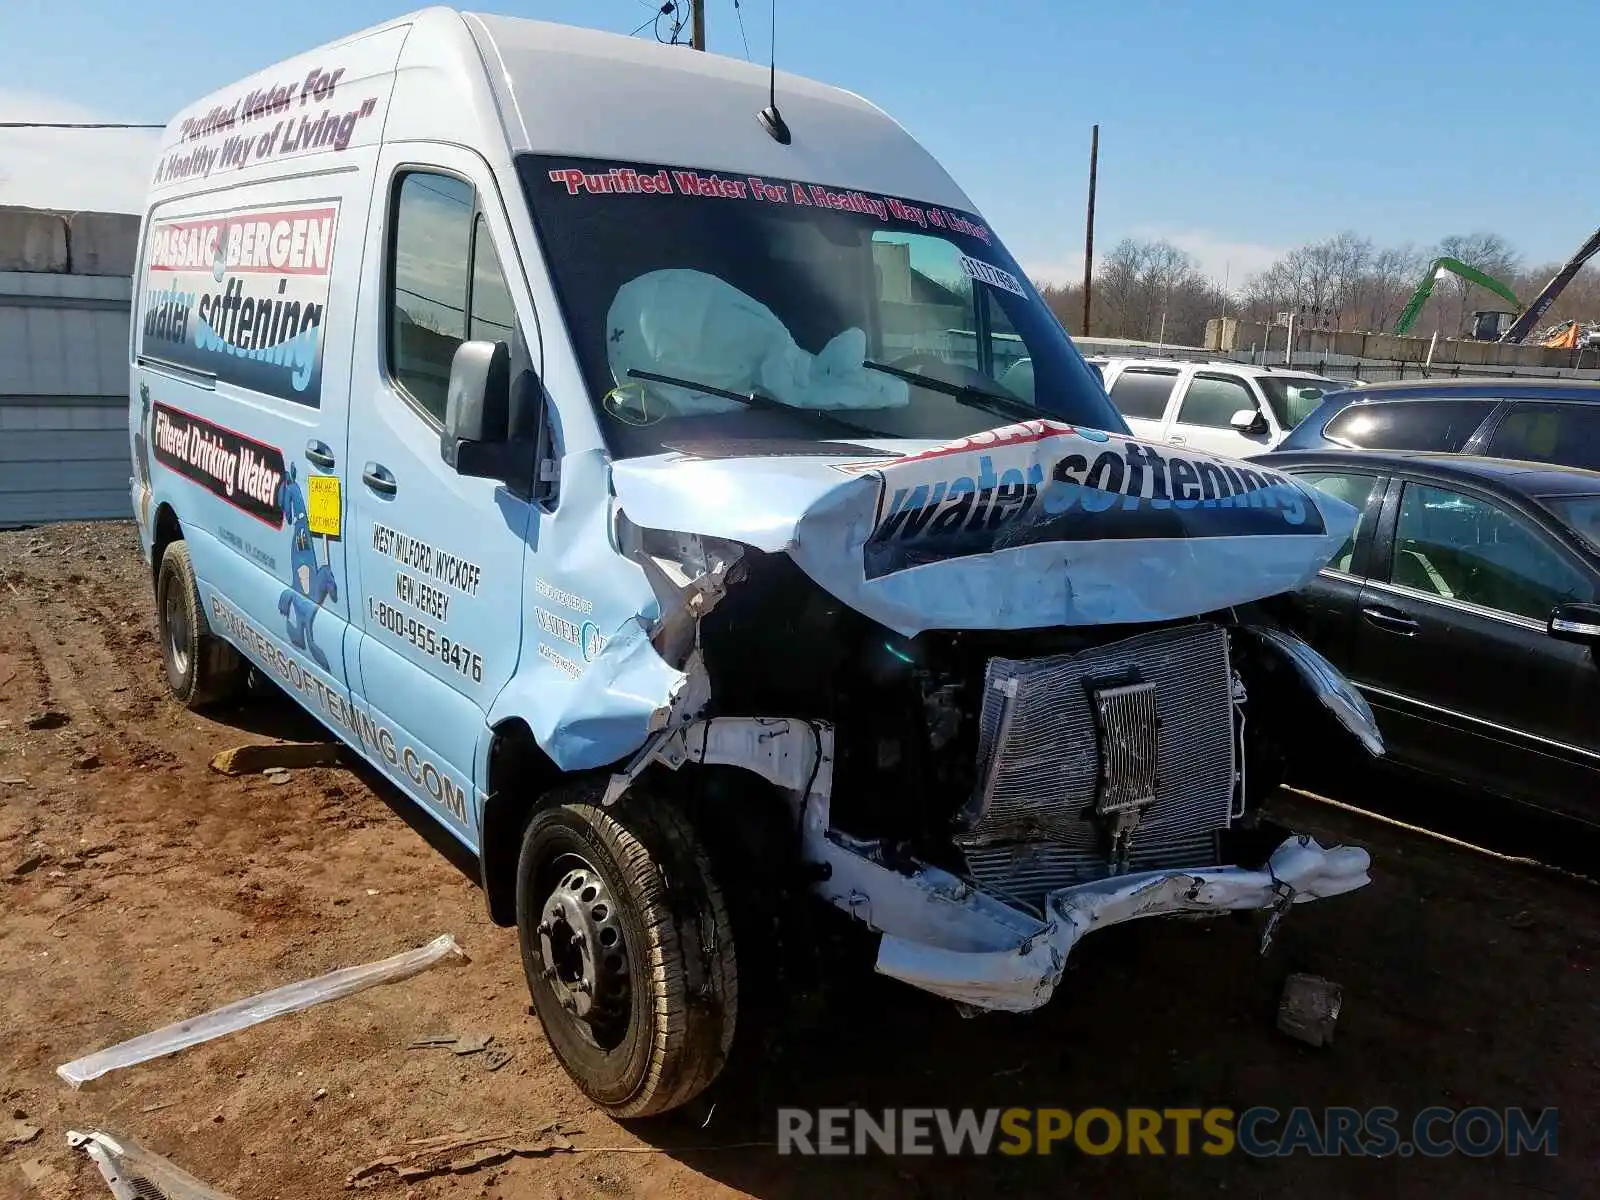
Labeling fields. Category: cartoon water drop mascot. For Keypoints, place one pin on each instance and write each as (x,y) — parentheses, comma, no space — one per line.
(310,581)
(141,455)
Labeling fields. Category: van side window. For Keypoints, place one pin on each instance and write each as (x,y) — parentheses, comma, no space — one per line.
(490,317)
(446,285)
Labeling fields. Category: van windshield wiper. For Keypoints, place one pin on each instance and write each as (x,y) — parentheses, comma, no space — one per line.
(754,399)
(966,393)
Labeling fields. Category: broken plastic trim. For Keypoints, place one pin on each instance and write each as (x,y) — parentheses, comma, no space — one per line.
(242,1014)
(1022,975)
(1348,706)
(942,934)
(134,1173)
(689,574)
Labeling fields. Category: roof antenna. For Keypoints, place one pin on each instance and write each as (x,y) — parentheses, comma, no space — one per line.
(771,119)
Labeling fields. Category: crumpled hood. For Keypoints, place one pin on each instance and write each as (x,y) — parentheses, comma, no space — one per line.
(1030,525)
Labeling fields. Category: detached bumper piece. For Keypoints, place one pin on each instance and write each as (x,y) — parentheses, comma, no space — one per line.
(976,952)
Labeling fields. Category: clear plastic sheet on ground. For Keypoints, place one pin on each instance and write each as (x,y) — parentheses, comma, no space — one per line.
(242,1014)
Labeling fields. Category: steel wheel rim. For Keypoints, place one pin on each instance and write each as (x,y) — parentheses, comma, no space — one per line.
(583,953)
(175,616)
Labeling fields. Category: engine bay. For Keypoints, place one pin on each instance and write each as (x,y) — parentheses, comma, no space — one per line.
(1023,760)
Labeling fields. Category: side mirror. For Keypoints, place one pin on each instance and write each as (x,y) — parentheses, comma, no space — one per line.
(1249,420)
(477,409)
(1574,622)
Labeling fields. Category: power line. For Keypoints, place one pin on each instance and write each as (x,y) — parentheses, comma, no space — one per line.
(74,125)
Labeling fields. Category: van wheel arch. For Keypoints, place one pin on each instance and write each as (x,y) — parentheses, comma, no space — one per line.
(167,529)
(520,775)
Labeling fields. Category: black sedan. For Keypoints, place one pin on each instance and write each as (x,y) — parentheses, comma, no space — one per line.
(1466,607)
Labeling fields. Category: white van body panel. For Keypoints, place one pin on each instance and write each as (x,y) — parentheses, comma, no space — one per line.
(579,91)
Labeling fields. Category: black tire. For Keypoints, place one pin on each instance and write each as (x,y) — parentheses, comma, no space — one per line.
(664,998)
(201,668)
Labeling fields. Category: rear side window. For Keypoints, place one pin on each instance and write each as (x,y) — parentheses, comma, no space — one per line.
(1212,400)
(1568,434)
(445,285)
(1143,392)
(1442,426)
(1356,491)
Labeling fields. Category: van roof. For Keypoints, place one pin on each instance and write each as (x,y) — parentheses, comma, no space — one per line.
(508,85)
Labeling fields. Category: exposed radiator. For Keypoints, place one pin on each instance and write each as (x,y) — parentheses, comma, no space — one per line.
(1060,736)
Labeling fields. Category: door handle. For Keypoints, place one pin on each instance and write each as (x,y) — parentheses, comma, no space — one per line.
(1388,618)
(1177,439)
(318,454)
(378,477)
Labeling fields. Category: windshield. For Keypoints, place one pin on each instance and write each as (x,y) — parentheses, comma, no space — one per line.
(711,306)
(1581,514)
(1294,398)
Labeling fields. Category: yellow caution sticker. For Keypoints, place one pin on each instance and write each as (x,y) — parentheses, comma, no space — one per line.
(324,510)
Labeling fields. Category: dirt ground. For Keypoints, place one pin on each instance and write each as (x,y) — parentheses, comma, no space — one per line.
(138,887)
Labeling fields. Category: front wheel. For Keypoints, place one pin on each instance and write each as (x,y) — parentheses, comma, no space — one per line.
(201,667)
(628,950)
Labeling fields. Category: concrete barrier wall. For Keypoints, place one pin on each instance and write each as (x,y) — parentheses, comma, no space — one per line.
(83,243)
(1231,335)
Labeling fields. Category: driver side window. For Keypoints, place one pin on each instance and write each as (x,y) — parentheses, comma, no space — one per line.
(446,286)
(924,302)
(930,305)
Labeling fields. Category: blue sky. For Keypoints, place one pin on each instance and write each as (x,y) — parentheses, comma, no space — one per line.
(1235,129)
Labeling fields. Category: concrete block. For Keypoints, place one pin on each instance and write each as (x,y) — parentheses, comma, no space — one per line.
(31,240)
(1397,349)
(104,243)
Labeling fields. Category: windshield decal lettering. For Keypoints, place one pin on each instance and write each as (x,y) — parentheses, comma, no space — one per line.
(1081,486)
(677,181)
(976,268)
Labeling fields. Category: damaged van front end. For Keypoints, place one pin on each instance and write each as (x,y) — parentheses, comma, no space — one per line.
(1012,688)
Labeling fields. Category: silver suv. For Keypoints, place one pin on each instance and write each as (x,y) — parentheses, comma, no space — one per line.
(1220,407)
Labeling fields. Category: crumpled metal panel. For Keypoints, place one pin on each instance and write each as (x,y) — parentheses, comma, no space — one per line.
(1024,977)
(1039,763)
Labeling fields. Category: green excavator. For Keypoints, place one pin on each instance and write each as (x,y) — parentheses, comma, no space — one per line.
(1527,319)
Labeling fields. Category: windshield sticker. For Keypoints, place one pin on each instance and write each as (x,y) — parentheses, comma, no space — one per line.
(242,297)
(975,268)
(1079,485)
(673,181)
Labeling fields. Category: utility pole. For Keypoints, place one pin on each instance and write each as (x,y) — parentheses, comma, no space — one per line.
(698,24)
(1088,236)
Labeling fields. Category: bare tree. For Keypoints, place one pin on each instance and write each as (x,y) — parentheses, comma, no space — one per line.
(1150,291)
(1486,252)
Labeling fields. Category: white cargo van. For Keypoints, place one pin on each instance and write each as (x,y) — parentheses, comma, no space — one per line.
(633,458)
